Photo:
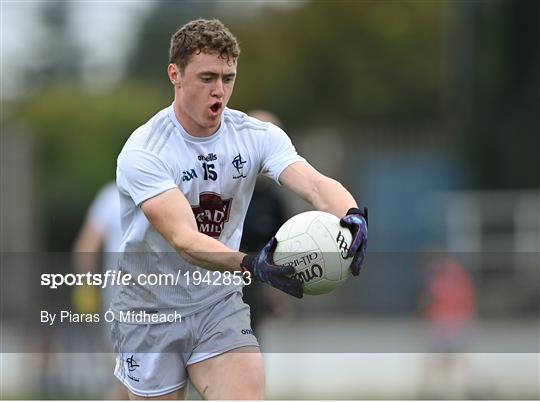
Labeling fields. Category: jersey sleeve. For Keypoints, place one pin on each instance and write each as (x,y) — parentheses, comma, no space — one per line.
(278,152)
(143,175)
(103,207)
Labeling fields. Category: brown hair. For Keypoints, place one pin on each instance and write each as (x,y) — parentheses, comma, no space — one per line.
(202,36)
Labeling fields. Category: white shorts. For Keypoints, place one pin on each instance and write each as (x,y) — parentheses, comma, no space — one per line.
(151,359)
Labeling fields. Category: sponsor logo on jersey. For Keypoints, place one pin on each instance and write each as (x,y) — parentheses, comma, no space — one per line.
(238,164)
(211,213)
(247,331)
(208,158)
(187,175)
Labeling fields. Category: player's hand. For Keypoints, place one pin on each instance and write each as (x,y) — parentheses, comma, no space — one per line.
(262,267)
(357,222)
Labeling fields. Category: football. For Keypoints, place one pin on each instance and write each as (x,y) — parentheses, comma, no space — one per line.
(316,245)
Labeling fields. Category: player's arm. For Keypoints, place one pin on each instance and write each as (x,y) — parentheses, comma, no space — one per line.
(172,216)
(326,194)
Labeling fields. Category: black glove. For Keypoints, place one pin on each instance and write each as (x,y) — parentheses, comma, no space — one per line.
(262,267)
(357,222)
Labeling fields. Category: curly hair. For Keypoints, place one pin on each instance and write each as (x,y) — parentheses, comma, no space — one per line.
(202,36)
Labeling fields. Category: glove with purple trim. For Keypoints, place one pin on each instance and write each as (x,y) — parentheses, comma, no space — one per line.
(262,267)
(357,222)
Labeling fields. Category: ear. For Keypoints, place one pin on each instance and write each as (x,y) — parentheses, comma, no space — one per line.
(174,74)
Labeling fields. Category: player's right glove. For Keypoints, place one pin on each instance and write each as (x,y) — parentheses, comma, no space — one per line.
(262,267)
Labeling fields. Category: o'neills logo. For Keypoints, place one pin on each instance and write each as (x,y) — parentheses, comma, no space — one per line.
(304,260)
(208,158)
(211,213)
(310,273)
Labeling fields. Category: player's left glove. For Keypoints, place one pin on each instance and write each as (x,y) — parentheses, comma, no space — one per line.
(357,222)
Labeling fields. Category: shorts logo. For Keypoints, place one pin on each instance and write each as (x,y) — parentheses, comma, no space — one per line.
(132,366)
(238,164)
(247,331)
(211,213)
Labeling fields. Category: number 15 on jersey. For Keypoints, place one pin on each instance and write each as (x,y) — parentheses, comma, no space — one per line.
(209,171)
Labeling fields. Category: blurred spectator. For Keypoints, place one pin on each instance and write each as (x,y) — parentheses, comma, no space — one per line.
(449,305)
(101,232)
(98,241)
(449,302)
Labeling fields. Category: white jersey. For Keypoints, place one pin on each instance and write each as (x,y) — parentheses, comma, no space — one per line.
(104,214)
(216,174)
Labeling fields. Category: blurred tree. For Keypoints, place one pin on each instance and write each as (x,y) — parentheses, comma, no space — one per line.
(495,90)
(335,63)
(151,53)
(343,63)
(78,137)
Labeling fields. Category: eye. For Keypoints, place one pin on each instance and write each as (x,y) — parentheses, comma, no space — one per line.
(206,79)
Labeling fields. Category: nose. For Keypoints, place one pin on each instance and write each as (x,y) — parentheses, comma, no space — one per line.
(218,90)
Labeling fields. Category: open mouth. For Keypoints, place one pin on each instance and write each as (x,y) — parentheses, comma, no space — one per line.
(216,107)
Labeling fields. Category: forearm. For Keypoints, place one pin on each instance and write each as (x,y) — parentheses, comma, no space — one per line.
(207,252)
(324,193)
(171,215)
(330,196)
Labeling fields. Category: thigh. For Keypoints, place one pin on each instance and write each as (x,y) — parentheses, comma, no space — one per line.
(237,374)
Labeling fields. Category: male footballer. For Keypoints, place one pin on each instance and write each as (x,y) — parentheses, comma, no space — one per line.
(185,180)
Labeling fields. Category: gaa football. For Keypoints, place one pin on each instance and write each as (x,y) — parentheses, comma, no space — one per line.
(316,245)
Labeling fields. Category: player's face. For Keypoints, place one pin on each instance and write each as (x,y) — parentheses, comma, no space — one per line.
(202,91)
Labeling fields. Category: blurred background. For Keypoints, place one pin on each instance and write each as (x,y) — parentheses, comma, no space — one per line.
(428,111)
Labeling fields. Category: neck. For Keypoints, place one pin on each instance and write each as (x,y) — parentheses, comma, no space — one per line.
(191,126)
